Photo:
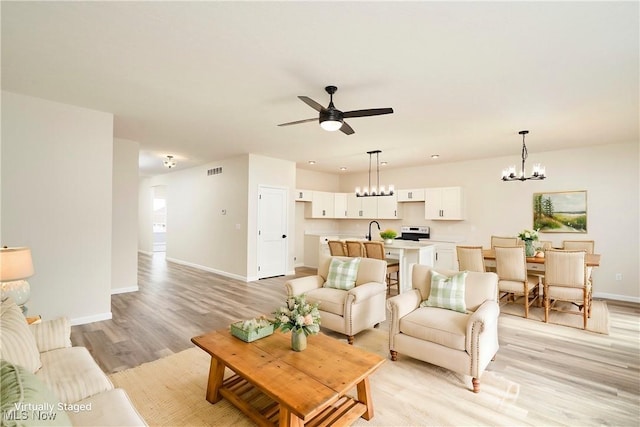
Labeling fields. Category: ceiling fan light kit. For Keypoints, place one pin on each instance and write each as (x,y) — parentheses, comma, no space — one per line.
(538,172)
(376,190)
(331,119)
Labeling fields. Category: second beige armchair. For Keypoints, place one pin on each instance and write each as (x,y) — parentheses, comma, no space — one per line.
(463,341)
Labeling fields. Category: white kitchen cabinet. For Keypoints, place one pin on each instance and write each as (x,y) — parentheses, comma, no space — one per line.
(413,195)
(388,207)
(445,203)
(322,205)
(340,205)
(303,195)
(445,256)
(361,207)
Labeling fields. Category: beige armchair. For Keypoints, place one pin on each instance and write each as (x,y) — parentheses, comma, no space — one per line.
(346,311)
(462,342)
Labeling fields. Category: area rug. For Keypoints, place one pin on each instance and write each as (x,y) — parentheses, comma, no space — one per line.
(171,392)
(598,322)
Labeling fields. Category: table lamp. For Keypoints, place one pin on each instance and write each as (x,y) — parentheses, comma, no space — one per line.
(15,266)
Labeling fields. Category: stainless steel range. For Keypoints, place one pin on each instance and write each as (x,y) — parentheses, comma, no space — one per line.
(414,233)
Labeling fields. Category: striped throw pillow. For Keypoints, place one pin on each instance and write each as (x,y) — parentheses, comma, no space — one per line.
(342,274)
(447,292)
(17,343)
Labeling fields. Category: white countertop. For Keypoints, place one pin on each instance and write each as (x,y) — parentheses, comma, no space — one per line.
(407,244)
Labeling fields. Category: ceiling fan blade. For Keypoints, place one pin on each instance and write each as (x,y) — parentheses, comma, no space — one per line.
(311,103)
(369,112)
(346,129)
(315,119)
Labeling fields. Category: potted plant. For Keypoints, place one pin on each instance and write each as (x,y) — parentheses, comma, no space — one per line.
(299,317)
(388,235)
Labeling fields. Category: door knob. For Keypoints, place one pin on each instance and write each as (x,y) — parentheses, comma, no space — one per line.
(284,236)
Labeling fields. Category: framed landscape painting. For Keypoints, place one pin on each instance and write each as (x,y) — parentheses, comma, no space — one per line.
(560,212)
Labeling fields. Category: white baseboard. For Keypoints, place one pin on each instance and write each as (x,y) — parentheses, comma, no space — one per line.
(90,319)
(145,252)
(616,297)
(209,269)
(125,290)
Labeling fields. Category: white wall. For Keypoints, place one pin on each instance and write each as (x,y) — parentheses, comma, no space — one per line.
(145,217)
(124,253)
(609,173)
(57,200)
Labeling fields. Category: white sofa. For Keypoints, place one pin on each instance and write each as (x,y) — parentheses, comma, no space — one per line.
(464,342)
(67,387)
(346,312)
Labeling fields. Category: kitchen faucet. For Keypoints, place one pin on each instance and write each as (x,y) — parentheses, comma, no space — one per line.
(369,235)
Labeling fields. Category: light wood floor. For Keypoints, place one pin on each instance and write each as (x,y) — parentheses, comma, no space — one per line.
(560,370)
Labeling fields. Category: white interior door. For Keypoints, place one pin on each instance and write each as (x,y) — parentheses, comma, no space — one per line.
(272,231)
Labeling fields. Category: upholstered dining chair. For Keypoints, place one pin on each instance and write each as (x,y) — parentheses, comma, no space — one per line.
(579,245)
(513,280)
(589,246)
(544,244)
(565,279)
(470,258)
(503,241)
(376,250)
(337,248)
(355,248)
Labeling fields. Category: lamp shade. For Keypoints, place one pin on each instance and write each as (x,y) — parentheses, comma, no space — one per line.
(15,264)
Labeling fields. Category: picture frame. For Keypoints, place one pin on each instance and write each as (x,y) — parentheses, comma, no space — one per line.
(560,212)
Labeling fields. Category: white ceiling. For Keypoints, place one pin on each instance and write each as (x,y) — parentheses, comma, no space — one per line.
(204,81)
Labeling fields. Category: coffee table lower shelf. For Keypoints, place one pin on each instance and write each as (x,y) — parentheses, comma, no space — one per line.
(265,412)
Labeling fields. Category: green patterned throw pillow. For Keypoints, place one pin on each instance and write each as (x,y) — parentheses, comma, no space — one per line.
(447,292)
(342,274)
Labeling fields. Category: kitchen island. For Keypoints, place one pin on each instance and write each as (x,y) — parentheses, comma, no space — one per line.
(408,253)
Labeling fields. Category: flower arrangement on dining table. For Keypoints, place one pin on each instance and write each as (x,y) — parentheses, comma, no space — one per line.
(528,236)
(298,315)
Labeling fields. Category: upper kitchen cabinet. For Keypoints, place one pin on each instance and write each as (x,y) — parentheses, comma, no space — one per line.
(388,207)
(322,205)
(303,195)
(384,207)
(444,203)
(416,195)
(340,205)
(361,207)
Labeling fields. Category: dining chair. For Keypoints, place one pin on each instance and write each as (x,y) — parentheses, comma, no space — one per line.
(355,248)
(337,248)
(470,258)
(544,244)
(579,245)
(513,280)
(565,279)
(376,250)
(589,246)
(503,241)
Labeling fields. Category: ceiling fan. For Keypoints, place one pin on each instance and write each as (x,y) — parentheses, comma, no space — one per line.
(331,118)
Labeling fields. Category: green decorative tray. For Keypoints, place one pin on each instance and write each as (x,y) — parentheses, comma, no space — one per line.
(249,336)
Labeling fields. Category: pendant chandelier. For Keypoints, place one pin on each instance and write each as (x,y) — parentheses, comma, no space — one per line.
(538,172)
(375,190)
(170,162)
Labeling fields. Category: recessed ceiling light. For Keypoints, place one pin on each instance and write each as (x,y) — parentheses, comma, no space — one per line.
(343,168)
(383,163)
(435,156)
(312,162)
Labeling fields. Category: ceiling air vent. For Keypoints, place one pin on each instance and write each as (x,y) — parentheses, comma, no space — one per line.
(214,171)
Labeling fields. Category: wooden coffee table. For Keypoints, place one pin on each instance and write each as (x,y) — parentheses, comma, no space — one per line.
(274,385)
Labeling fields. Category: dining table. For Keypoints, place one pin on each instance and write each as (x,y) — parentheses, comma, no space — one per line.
(535,263)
